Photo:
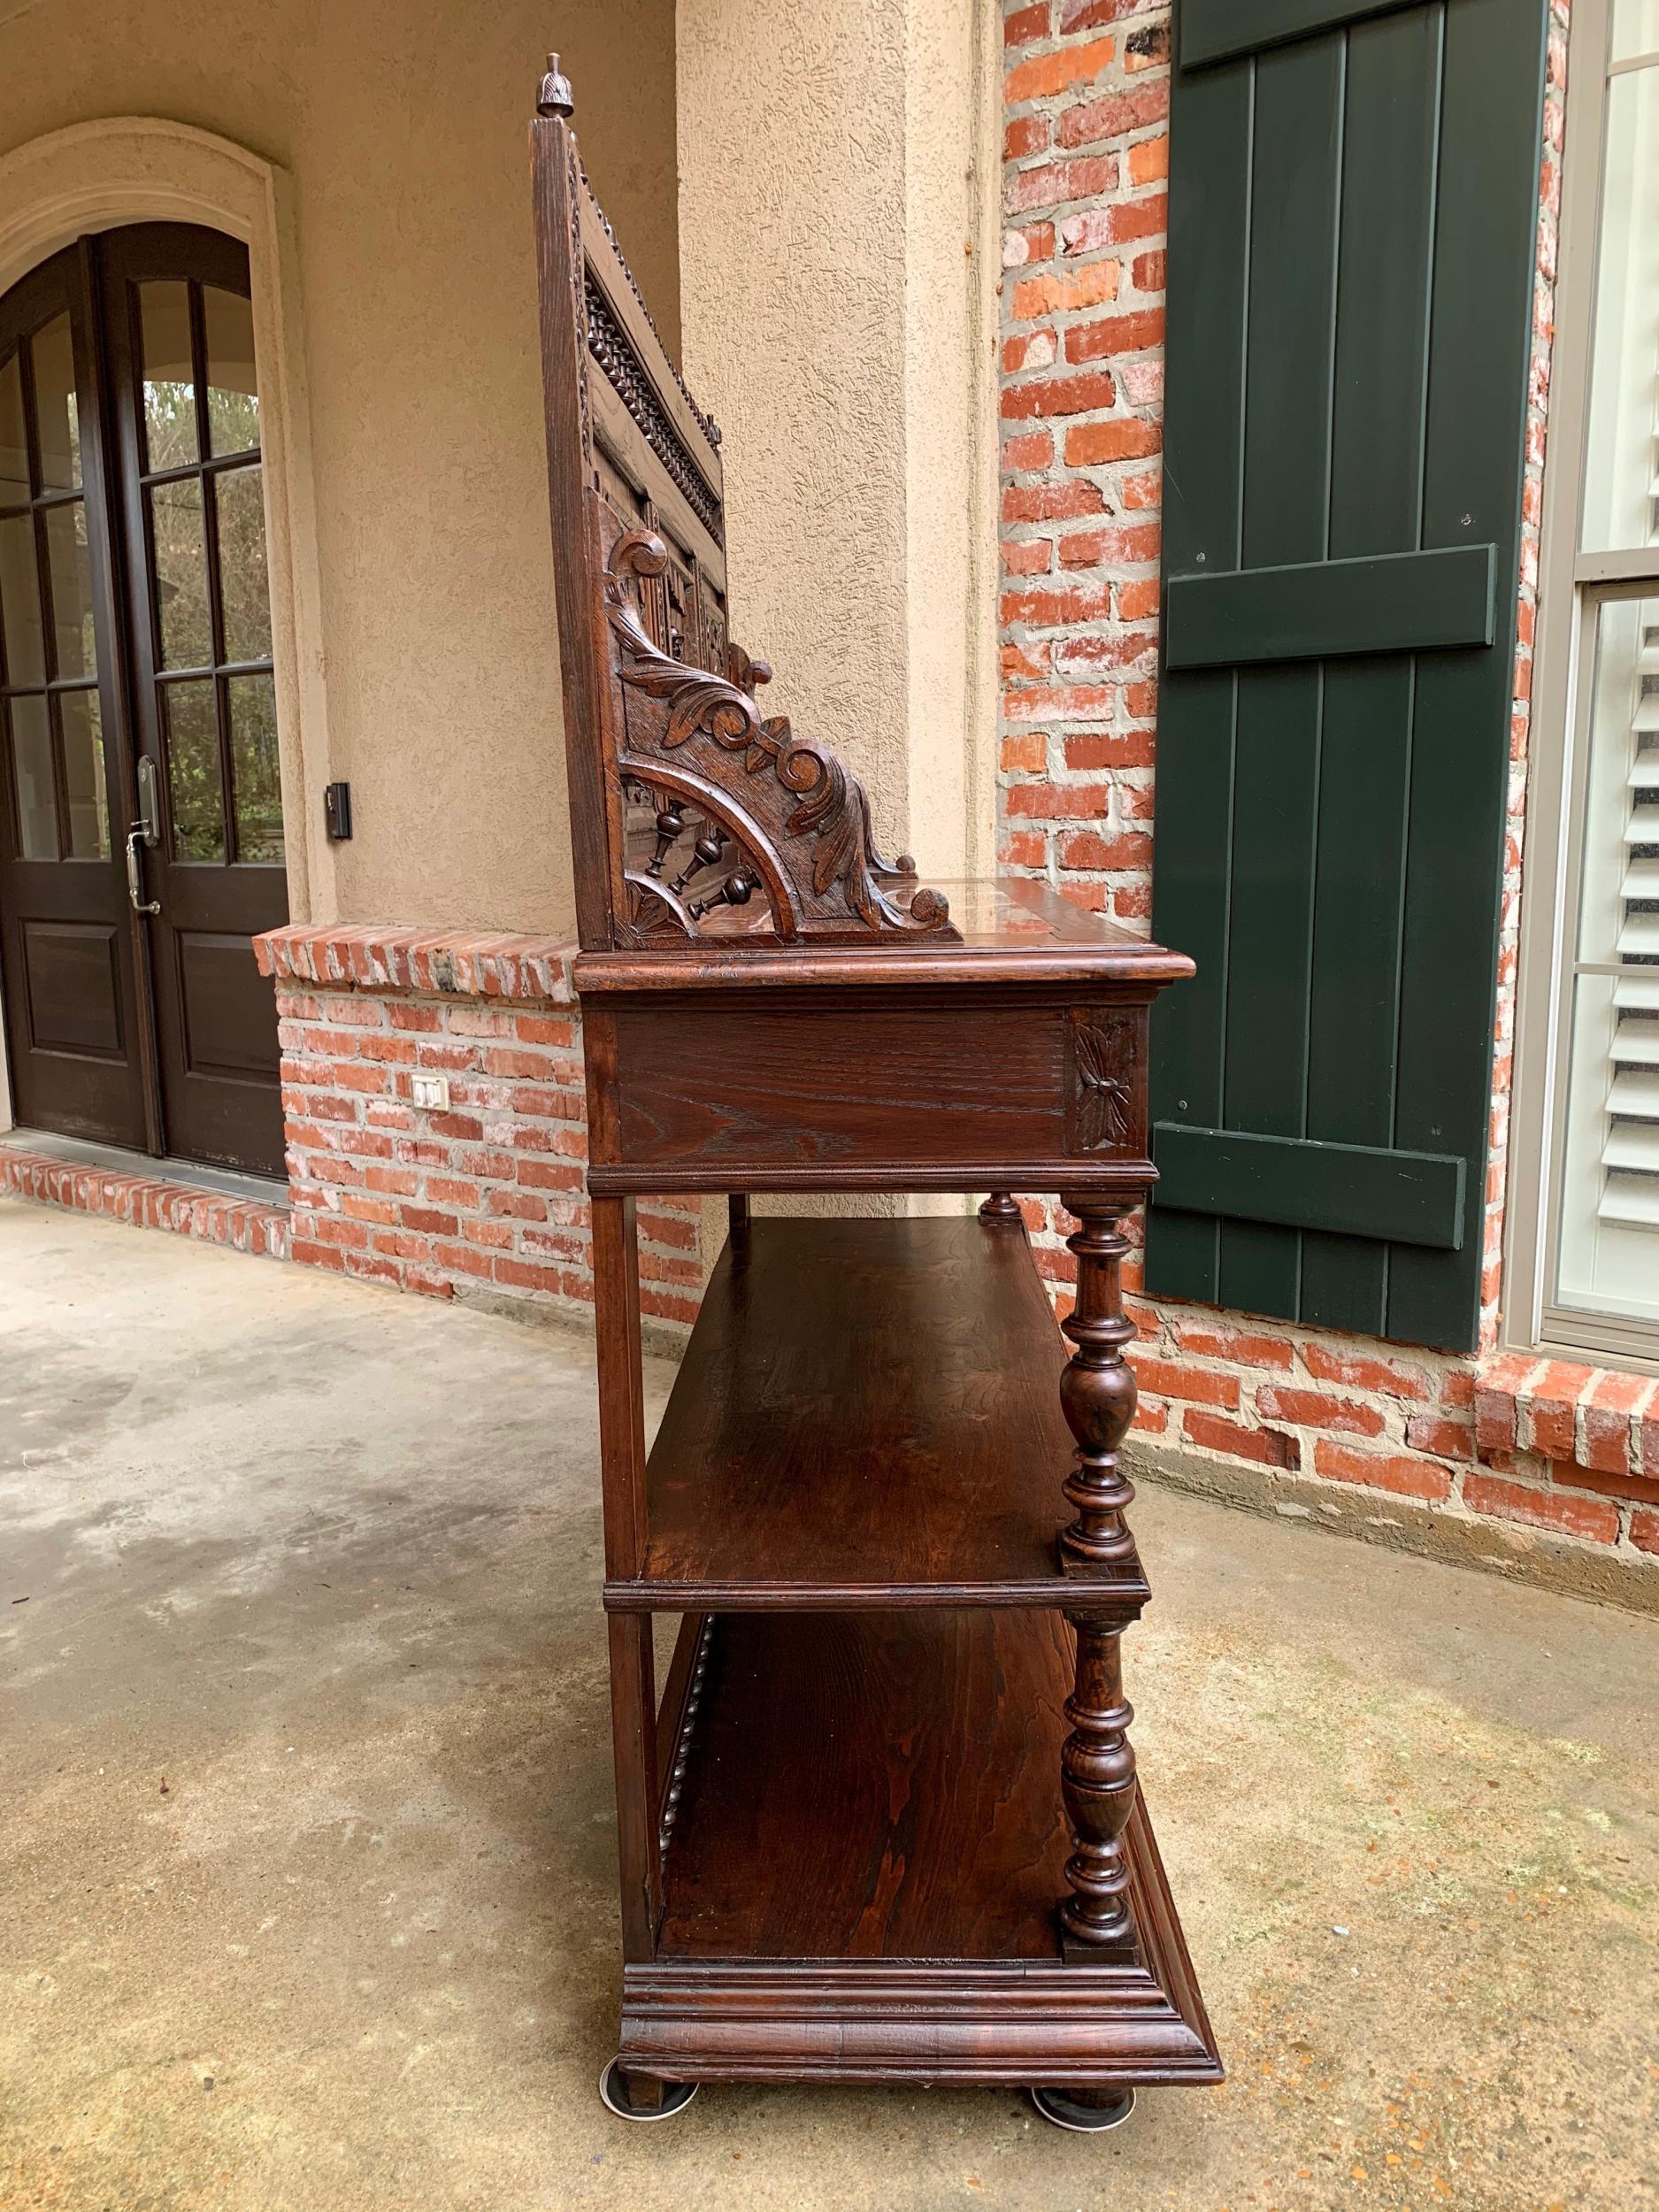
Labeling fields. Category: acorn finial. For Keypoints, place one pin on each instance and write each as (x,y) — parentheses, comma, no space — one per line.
(554,95)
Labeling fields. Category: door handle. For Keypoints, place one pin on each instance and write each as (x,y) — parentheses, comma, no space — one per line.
(145,831)
(149,822)
(135,837)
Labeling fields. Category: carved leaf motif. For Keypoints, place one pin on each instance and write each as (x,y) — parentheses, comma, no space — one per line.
(1105,1106)
(697,703)
(833,810)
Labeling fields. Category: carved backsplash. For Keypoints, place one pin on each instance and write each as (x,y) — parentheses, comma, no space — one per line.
(746,819)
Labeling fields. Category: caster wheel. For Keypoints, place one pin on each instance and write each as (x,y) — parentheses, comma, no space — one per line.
(1066,2111)
(614,2091)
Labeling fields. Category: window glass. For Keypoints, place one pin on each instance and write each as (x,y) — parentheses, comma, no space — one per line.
(70,572)
(170,434)
(57,410)
(1635,28)
(1621,503)
(32,778)
(82,727)
(244,587)
(20,602)
(14,453)
(181,554)
(233,393)
(194,784)
(257,796)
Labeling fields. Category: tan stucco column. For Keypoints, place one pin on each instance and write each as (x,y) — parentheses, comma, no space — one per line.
(837,177)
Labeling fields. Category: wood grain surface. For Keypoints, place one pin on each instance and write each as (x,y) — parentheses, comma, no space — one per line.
(874,1785)
(868,1413)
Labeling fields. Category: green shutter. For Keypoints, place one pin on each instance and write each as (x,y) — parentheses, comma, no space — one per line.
(1353,212)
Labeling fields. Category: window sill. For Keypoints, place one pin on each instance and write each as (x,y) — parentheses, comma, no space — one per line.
(1598,1426)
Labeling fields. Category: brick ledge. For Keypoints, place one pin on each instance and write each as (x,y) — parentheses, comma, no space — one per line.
(1599,1420)
(445,964)
(146,1202)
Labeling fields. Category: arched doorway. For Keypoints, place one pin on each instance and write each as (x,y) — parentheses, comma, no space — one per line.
(140,828)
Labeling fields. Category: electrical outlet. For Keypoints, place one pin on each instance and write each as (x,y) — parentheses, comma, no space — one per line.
(430,1093)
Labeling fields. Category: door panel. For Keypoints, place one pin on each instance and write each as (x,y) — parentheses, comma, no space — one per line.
(72,988)
(180,334)
(75,1032)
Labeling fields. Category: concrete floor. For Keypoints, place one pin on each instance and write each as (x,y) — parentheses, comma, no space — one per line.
(306,1898)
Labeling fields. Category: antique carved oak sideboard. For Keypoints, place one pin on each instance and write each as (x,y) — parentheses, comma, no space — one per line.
(882,1823)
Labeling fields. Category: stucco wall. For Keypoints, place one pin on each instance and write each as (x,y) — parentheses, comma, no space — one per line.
(403,131)
(836,234)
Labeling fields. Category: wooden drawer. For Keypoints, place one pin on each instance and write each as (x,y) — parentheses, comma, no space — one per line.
(943,1089)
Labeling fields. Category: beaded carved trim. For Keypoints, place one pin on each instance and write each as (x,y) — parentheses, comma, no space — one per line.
(610,347)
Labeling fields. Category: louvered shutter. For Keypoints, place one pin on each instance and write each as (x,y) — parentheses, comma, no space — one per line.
(1631,1193)
(1609,1198)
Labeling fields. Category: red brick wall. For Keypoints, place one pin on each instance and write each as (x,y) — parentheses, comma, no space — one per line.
(1086,146)
(486,1197)
(1086,156)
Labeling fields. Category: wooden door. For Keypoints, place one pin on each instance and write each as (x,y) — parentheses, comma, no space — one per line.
(136,687)
(76,1032)
(178,329)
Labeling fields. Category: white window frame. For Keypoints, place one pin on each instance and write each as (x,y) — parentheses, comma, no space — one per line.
(1571,588)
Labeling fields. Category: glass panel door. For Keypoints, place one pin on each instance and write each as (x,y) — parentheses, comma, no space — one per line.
(134,1009)
(68,961)
(181,332)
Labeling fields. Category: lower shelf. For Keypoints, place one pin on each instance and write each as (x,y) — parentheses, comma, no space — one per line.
(861,1872)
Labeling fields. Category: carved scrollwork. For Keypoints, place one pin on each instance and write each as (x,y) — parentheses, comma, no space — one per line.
(801,789)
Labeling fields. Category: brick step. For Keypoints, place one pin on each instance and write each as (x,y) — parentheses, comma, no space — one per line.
(147,1201)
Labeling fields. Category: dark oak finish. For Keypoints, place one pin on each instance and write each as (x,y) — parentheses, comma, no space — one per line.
(833,1082)
(863,1417)
(900,1766)
(883,1821)
(898,1924)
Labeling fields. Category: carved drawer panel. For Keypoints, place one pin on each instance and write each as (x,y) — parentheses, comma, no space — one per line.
(1105,1081)
(715,1084)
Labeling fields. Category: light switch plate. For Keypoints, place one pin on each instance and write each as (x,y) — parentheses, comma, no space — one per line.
(431,1093)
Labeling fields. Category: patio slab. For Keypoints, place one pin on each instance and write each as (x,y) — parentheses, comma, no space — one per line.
(307,1845)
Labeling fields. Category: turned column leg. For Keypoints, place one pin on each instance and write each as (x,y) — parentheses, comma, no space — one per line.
(1097,1781)
(1097,1390)
(1097,1763)
(1001,1206)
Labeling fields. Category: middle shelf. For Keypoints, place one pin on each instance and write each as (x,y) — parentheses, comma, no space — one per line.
(867,1414)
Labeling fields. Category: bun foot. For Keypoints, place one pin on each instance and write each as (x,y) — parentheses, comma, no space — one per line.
(1085,2111)
(642,2096)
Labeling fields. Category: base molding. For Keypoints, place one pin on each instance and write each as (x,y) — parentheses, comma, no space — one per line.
(1012,2021)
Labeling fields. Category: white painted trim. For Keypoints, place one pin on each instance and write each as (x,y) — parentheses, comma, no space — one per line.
(144,169)
(1636,566)
(1567,581)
